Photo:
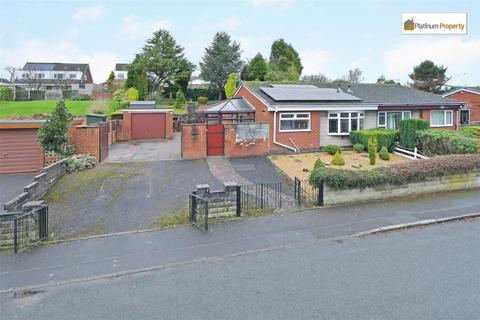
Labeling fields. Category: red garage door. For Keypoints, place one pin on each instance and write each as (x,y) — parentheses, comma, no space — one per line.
(148,125)
(19,151)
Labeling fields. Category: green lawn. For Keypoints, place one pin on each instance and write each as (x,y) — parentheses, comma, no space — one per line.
(77,108)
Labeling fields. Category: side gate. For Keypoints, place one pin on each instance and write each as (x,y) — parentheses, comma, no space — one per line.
(307,195)
(198,211)
(30,228)
(215,140)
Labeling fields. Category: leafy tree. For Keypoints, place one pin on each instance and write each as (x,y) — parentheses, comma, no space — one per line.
(292,74)
(244,73)
(282,57)
(257,68)
(53,134)
(231,85)
(132,94)
(429,77)
(13,72)
(180,100)
(170,99)
(110,79)
(383,80)
(355,75)
(221,58)
(316,78)
(118,96)
(162,63)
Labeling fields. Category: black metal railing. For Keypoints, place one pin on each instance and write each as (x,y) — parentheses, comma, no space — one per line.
(30,227)
(262,196)
(307,195)
(198,211)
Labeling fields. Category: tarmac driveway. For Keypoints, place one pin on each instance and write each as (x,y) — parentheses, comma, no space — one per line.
(12,185)
(123,196)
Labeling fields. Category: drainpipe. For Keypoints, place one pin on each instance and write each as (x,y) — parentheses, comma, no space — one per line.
(275,132)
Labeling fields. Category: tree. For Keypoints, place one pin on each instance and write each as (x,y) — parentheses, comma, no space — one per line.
(429,77)
(316,78)
(257,68)
(383,80)
(282,57)
(355,75)
(161,63)
(110,79)
(221,58)
(292,74)
(231,85)
(53,134)
(132,94)
(180,100)
(13,72)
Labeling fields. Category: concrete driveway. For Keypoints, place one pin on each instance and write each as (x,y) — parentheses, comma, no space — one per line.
(12,185)
(146,150)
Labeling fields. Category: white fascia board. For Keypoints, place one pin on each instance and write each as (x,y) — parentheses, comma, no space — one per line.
(460,90)
(147,110)
(331,107)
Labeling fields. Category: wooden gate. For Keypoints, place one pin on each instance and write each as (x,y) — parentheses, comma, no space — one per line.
(215,142)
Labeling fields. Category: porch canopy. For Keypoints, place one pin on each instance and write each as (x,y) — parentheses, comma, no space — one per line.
(234,110)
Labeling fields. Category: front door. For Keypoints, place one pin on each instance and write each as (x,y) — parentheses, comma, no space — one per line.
(215,143)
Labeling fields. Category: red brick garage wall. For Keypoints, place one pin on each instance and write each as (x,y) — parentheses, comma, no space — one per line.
(472,100)
(194,141)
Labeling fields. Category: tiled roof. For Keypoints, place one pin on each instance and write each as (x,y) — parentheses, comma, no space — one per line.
(56,66)
(121,66)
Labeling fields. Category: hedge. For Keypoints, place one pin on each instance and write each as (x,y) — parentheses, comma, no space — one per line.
(396,174)
(472,132)
(440,142)
(408,131)
(385,137)
(6,94)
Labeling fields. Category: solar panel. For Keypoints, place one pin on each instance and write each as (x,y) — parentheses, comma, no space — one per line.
(306,93)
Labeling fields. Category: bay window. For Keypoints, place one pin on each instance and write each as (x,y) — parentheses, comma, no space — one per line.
(391,119)
(294,122)
(341,123)
(441,118)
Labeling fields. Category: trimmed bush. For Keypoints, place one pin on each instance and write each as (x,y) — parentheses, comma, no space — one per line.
(441,142)
(396,174)
(472,132)
(358,147)
(202,100)
(384,154)
(6,94)
(180,99)
(338,159)
(332,149)
(408,131)
(318,164)
(372,150)
(132,94)
(385,137)
(80,162)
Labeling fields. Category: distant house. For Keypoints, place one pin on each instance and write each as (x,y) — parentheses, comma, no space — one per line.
(471,98)
(121,71)
(197,83)
(5,82)
(56,77)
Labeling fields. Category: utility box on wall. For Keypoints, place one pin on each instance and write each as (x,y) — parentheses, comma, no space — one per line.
(95,118)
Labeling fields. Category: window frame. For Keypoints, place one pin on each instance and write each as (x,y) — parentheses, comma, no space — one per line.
(338,117)
(294,118)
(384,125)
(445,124)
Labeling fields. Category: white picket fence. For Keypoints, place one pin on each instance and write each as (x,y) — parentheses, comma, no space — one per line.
(409,153)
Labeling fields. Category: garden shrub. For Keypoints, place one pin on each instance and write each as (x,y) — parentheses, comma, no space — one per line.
(358,147)
(472,132)
(384,154)
(372,150)
(441,142)
(408,131)
(180,99)
(318,164)
(385,137)
(170,99)
(396,174)
(332,149)
(338,159)
(202,100)
(6,94)
(132,94)
(82,97)
(80,162)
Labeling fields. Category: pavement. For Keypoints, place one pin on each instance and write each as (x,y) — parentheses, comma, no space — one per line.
(429,274)
(108,256)
(11,185)
(145,150)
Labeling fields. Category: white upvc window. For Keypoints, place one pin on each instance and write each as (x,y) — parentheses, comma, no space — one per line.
(72,76)
(441,118)
(290,121)
(391,119)
(341,123)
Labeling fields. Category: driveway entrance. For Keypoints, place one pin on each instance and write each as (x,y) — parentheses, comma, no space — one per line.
(146,150)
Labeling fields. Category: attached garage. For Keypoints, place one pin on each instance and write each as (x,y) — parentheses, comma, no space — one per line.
(147,123)
(20,150)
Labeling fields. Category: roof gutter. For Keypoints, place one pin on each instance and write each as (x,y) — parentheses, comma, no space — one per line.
(336,107)
(275,134)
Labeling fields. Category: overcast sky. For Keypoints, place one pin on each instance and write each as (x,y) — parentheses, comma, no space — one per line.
(331,36)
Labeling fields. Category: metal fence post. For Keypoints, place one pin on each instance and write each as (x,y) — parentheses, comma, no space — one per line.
(320,194)
(261,196)
(15,236)
(206,215)
(239,202)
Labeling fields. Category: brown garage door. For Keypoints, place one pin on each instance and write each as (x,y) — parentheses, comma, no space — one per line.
(19,151)
(148,125)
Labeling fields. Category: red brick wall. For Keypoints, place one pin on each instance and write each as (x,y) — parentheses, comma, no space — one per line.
(194,141)
(87,140)
(261,112)
(127,126)
(472,100)
(243,148)
(168,125)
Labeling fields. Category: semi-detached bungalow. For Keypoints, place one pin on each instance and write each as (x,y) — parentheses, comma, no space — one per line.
(310,116)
